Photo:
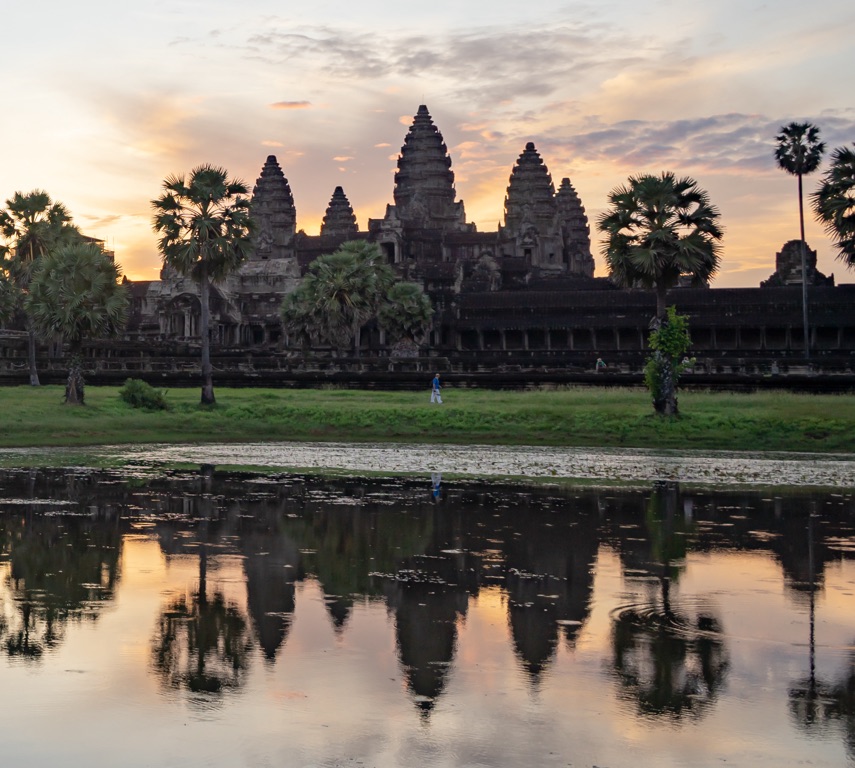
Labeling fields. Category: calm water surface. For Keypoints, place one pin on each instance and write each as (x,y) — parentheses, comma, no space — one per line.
(202,618)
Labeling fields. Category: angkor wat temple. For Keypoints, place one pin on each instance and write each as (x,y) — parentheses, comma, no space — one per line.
(521,297)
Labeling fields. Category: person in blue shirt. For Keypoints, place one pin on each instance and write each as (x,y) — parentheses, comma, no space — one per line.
(435,388)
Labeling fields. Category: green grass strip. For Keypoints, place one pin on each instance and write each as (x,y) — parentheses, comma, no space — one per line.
(582,416)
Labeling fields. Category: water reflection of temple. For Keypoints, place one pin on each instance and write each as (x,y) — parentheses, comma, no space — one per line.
(387,540)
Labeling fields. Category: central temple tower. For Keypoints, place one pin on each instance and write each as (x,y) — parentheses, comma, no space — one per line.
(424,183)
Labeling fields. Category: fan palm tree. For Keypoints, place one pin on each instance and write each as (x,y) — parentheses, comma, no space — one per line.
(75,293)
(206,233)
(32,224)
(8,295)
(834,203)
(406,313)
(799,153)
(341,292)
(658,229)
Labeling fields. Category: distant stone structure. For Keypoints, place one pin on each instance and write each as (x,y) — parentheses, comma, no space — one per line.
(424,234)
(788,267)
(521,295)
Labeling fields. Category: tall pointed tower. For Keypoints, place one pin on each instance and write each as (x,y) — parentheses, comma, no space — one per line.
(530,200)
(575,231)
(339,219)
(424,183)
(273,209)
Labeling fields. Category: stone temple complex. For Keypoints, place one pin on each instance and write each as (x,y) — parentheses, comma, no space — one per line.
(521,298)
(424,234)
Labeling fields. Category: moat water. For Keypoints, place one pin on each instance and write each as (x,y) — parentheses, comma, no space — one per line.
(162,617)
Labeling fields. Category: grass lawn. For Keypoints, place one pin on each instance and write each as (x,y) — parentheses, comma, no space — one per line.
(582,416)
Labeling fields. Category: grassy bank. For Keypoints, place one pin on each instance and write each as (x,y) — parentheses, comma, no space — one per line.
(570,417)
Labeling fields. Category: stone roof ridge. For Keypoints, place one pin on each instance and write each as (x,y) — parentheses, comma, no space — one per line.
(339,218)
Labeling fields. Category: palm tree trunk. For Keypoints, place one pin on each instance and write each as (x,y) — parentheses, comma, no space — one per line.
(31,354)
(806,330)
(661,307)
(74,394)
(204,323)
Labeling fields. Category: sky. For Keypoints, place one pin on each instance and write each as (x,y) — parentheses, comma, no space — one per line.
(103,100)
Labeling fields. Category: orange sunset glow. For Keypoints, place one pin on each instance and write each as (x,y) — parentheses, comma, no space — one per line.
(108,100)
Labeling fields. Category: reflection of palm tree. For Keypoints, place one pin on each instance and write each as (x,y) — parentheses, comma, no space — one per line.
(671,663)
(201,644)
(815,703)
(61,568)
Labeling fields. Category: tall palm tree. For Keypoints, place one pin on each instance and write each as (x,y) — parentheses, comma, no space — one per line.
(32,224)
(75,293)
(658,229)
(206,232)
(834,203)
(799,153)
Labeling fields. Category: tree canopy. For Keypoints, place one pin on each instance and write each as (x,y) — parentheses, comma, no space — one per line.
(834,203)
(31,226)
(75,293)
(659,228)
(205,232)
(341,292)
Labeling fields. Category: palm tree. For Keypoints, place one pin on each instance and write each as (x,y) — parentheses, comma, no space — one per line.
(8,295)
(75,293)
(799,153)
(206,233)
(32,224)
(834,203)
(407,312)
(342,291)
(658,229)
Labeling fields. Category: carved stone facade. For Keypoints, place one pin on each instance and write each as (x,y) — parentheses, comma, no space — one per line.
(788,267)
(424,234)
(525,289)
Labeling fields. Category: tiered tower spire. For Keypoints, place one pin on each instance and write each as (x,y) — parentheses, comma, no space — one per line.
(273,209)
(424,183)
(575,231)
(530,200)
(339,219)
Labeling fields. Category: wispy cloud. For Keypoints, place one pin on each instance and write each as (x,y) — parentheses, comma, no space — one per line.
(291,105)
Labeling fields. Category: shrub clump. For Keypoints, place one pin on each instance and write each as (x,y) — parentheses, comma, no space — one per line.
(138,394)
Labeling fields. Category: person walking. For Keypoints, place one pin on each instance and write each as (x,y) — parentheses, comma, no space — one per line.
(435,396)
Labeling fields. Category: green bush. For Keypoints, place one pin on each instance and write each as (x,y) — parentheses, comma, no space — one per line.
(138,394)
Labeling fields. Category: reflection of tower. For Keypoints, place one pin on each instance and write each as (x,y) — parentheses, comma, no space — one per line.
(428,597)
(549,582)
(271,571)
(426,632)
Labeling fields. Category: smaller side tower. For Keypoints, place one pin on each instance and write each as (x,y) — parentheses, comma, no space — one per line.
(575,232)
(339,219)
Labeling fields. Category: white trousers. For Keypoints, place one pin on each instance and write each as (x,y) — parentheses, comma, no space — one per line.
(435,397)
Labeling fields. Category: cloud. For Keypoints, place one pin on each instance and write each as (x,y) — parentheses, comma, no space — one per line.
(342,158)
(291,105)
(271,143)
(490,64)
(722,143)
